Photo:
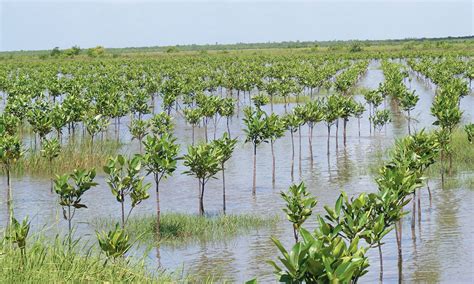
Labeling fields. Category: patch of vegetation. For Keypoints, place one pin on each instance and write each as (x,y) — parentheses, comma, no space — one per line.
(179,228)
(55,262)
(463,162)
(463,155)
(72,156)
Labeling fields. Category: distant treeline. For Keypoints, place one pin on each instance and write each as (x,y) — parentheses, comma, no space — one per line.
(286,44)
(335,44)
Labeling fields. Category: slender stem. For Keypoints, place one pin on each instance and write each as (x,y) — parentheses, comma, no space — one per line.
(254,186)
(381,262)
(223,188)
(292,155)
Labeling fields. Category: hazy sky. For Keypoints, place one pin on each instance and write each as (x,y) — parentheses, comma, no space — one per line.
(45,24)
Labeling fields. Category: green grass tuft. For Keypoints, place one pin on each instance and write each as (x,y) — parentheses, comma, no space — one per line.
(179,228)
(53,262)
(72,156)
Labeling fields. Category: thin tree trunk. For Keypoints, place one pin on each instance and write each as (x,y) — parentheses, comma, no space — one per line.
(295,234)
(345,128)
(271,103)
(9,198)
(201,199)
(273,161)
(223,188)
(381,263)
(409,129)
(254,187)
(292,156)
(123,211)
(158,209)
(299,150)
(413,216)
(311,144)
(429,192)
(69,225)
(205,129)
(51,175)
(329,135)
(419,206)
(358,123)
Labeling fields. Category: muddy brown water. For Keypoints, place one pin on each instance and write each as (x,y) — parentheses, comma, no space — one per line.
(442,252)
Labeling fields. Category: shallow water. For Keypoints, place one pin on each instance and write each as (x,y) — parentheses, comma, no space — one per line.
(442,251)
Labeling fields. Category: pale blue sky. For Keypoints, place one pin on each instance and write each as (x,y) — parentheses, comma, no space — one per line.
(27,25)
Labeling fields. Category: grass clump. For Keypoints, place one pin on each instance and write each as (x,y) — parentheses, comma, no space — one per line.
(72,156)
(462,155)
(463,162)
(54,262)
(179,227)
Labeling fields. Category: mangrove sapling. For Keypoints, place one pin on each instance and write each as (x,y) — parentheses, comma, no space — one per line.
(139,103)
(58,120)
(271,87)
(226,146)
(312,115)
(259,100)
(299,206)
(161,156)
(408,102)
(292,122)
(227,110)
(39,117)
(396,182)
(138,129)
(469,128)
(358,110)
(193,117)
(347,108)
(379,224)
(446,110)
(218,102)
(70,188)
(330,114)
(426,148)
(115,243)
(338,262)
(94,125)
(123,178)
(161,123)
(9,123)
(51,150)
(380,119)
(299,111)
(10,152)
(203,161)
(374,99)
(275,129)
(357,218)
(256,133)
(208,106)
(17,233)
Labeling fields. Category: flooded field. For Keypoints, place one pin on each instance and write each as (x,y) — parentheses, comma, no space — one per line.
(443,250)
